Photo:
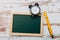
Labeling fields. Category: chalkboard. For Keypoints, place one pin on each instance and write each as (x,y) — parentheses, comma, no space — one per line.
(26,25)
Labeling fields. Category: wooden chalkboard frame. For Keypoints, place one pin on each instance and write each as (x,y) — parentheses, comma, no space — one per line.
(25,34)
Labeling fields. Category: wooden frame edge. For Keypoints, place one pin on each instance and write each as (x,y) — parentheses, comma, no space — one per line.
(25,34)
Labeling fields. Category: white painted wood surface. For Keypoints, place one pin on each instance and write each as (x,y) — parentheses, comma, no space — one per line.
(51,6)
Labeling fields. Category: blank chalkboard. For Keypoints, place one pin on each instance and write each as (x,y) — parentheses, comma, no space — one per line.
(26,24)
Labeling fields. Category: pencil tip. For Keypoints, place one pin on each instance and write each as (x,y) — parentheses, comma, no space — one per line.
(52,36)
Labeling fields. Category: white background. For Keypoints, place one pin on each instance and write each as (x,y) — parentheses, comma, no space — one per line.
(52,8)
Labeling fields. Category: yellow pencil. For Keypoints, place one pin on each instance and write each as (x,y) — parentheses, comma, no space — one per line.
(48,23)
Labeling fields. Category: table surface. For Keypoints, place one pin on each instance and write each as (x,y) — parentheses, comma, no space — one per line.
(51,6)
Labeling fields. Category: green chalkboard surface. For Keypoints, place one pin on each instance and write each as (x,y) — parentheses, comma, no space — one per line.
(26,24)
(23,24)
